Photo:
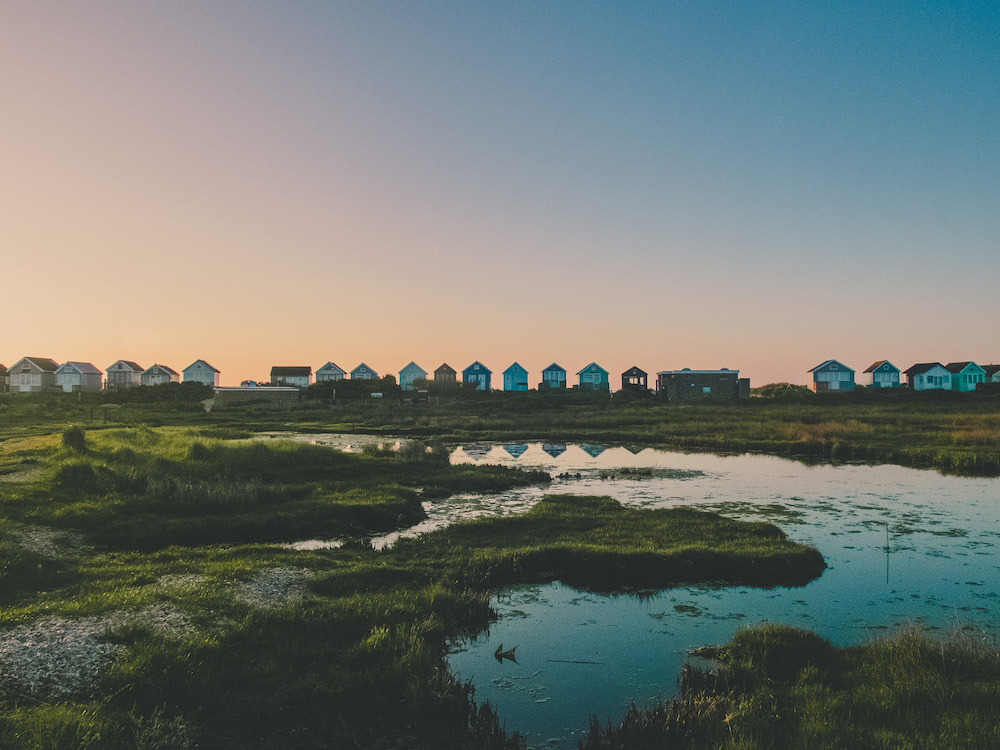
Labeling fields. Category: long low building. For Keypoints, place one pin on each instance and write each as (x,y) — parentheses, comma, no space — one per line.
(702,385)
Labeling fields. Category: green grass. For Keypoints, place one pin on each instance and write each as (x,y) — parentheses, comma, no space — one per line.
(957,433)
(359,662)
(23,571)
(595,542)
(627,472)
(953,432)
(144,488)
(784,687)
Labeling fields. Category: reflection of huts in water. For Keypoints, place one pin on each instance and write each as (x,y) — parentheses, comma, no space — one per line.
(593,450)
(635,450)
(554,449)
(476,451)
(515,449)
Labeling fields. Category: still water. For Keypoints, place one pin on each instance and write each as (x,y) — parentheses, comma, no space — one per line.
(903,546)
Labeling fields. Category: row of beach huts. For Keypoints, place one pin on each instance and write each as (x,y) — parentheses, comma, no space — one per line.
(925,376)
(33,374)
(722,383)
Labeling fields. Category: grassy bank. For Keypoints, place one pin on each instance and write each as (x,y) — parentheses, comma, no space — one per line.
(954,432)
(140,608)
(596,543)
(144,488)
(783,687)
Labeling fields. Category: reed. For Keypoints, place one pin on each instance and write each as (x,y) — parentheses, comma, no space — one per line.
(783,687)
(177,517)
(145,488)
(952,432)
(595,542)
(358,658)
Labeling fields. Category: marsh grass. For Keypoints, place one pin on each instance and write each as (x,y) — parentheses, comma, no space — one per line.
(143,488)
(23,572)
(360,668)
(359,661)
(784,687)
(595,542)
(957,433)
(953,432)
(627,472)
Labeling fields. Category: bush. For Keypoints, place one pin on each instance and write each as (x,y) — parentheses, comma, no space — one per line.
(75,439)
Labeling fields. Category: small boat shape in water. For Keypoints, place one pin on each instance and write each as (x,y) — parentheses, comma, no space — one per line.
(500,654)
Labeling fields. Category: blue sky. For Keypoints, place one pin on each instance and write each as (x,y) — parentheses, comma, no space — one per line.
(680,184)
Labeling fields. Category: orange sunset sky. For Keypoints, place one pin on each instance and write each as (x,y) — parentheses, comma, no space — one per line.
(672,184)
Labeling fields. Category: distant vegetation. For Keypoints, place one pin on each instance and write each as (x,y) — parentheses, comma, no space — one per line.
(948,431)
(953,432)
(785,391)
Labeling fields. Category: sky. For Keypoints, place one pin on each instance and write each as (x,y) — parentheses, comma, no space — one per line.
(759,186)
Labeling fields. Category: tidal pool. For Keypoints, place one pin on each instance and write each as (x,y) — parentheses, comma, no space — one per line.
(903,546)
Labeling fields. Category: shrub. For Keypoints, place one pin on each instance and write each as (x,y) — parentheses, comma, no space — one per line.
(74,439)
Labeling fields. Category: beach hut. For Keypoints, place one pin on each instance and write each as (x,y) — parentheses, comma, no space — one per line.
(634,379)
(363,372)
(479,374)
(832,376)
(410,373)
(79,376)
(445,374)
(123,374)
(32,374)
(965,376)
(928,376)
(158,375)
(297,376)
(330,371)
(200,371)
(553,376)
(881,374)
(593,377)
(515,378)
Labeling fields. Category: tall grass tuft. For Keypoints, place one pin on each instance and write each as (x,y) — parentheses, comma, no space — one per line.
(784,687)
(74,439)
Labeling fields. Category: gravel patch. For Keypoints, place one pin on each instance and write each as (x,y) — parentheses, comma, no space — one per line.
(25,475)
(50,542)
(59,656)
(55,656)
(275,587)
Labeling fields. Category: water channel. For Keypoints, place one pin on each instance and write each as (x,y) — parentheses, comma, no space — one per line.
(903,546)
